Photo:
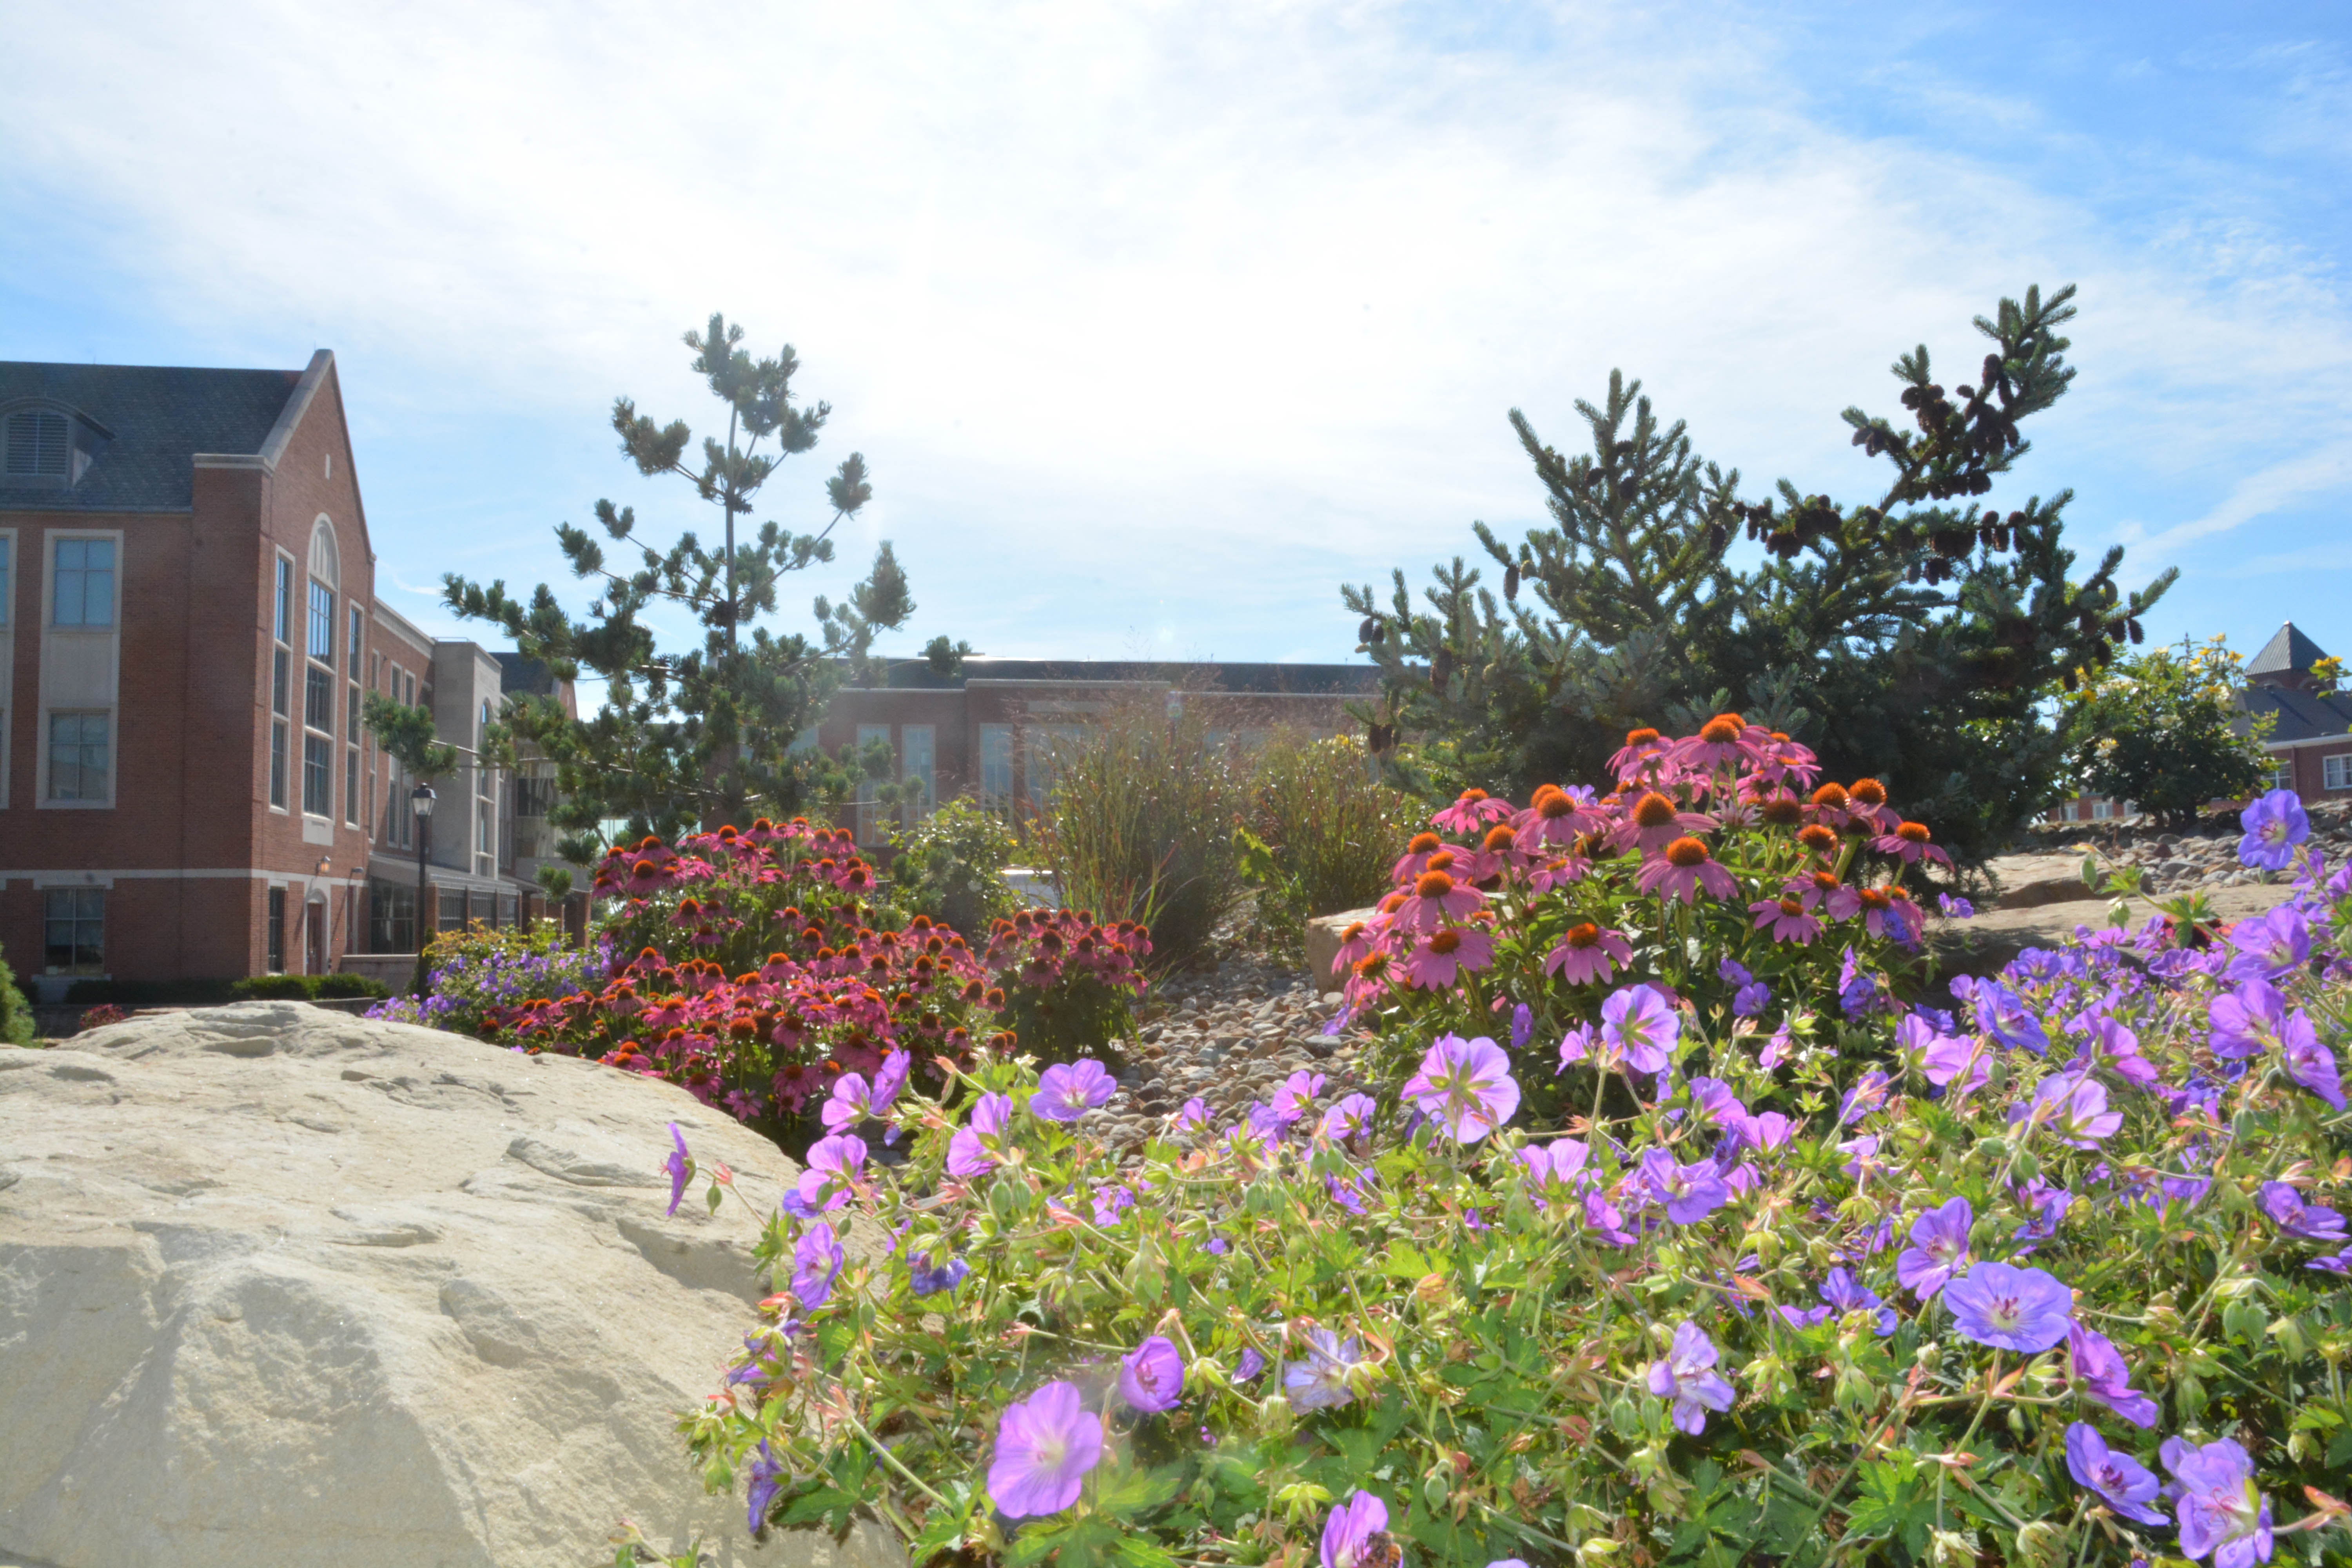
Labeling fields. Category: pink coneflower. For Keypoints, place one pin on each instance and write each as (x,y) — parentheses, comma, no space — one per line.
(1786,919)
(1823,892)
(1495,854)
(1472,812)
(1654,822)
(1645,754)
(1557,816)
(1588,953)
(1682,870)
(1557,871)
(1829,806)
(1435,899)
(1355,941)
(1370,980)
(1822,841)
(1724,740)
(1908,843)
(1435,963)
(1868,804)
(1417,851)
(1886,912)
(1780,759)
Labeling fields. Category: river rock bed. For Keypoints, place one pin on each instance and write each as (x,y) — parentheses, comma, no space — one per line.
(2203,856)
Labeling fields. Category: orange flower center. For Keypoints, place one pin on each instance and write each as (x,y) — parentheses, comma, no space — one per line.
(1553,806)
(1471,798)
(1355,928)
(1370,965)
(1392,903)
(1830,794)
(1498,838)
(1432,885)
(1440,860)
(1791,907)
(1826,881)
(1585,936)
(1781,810)
(1813,836)
(1653,810)
(1870,792)
(1912,833)
(1423,844)
(1446,941)
(1872,898)
(1639,737)
(1723,728)
(1687,853)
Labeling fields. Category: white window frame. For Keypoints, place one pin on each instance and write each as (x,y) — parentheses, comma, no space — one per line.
(30,480)
(2336,772)
(996,764)
(113,706)
(920,762)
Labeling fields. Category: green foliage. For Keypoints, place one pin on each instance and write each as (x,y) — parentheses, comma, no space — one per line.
(214,993)
(702,735)
(2159,729)
(1323,832)
(406,735)
(306,988)
(951,866)
(15,1013)
(474,976)
(1913,622)
(1139,824)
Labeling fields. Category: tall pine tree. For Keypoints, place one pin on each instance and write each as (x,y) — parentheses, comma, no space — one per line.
(702,735)
(1914,637)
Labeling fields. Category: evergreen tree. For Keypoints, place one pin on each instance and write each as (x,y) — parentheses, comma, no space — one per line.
(703,735)
(1915,637)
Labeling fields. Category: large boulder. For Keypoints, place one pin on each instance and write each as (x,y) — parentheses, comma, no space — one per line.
(279,1285)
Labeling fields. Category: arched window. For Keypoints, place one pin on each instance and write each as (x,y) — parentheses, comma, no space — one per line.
(326,562)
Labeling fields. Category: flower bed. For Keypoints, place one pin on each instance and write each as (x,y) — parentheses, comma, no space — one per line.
(2057,1275)
(758,968)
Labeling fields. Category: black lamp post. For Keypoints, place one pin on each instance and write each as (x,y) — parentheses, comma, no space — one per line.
(420,800)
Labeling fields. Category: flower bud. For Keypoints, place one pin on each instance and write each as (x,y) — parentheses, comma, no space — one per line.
(1274,1419)
(2289,1335)
(1434,1489)
(2040,1544)
(1952,1549)
(1928,1356)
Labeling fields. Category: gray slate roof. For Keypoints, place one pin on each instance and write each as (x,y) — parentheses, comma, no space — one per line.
(158,417)
(2301,715)
(2287,653)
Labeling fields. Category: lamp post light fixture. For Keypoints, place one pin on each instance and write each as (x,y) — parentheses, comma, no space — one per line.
(420,800)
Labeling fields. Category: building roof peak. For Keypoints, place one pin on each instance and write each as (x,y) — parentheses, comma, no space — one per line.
(2288,652)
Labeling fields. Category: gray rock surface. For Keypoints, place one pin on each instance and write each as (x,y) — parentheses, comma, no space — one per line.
(279,1285)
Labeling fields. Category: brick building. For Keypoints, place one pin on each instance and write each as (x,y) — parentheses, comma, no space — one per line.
(187,623)
(990,731)
(2310,741)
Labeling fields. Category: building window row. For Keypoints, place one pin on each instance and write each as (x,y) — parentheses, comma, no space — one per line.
(2336,772)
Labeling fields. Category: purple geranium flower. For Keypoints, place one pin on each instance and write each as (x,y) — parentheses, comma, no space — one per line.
(1843,1292)
(816,1263)
(2270,945)
(768,1476)
(832,1164)
(1868,1093)
(2247,1020)
(679,1164)
(1686,1375)
(1250,1365)
(2304,1222)
(1194,1114)
(1554,1170)
(1320,1381)
(1960,1064)
(1348,1532)
(2308,1062)
(2049,1204)
(2003,1014)
(1352,1116)
(1734,974)
(1066,1092)
(1690,1193)
(2014,1308)
(926,1280)
(2275,825)
(1044,1447)
(2100,1373)
(967,1150)
(851,1103)
(1640,1027)
(1465,1087)
(2220,1511)
(1955,909)
(1523,1025)
(2122,1482)
(2074,1107)
(1750,1000)
(1297,1096)
(1938,1249)
(1151,1376)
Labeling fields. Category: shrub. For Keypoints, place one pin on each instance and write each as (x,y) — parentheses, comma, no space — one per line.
(97,1018)
(473,976)
(951,867)
(2163,729)
(15,1013)
(756,968)
(1952,1289)
(1322,832)
(1139,826)
(305,987)
(214,993)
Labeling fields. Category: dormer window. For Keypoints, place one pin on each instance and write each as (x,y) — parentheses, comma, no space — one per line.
(45,447)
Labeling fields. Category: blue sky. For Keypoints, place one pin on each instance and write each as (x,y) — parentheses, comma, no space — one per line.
(1156,323)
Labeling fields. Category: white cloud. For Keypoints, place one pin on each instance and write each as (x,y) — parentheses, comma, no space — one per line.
(1155,321)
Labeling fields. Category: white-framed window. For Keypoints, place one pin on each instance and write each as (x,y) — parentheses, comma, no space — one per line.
(319,637)
(996,763)
(318,775)
(7,576)
(81,754)
(81,591)
(2336,772)
(281,682)
(1049,746)
(74,921)
(2102,809)
(868,816)
(2282,775)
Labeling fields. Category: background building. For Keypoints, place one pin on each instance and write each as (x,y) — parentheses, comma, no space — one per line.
(188,622)
(2310,741)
